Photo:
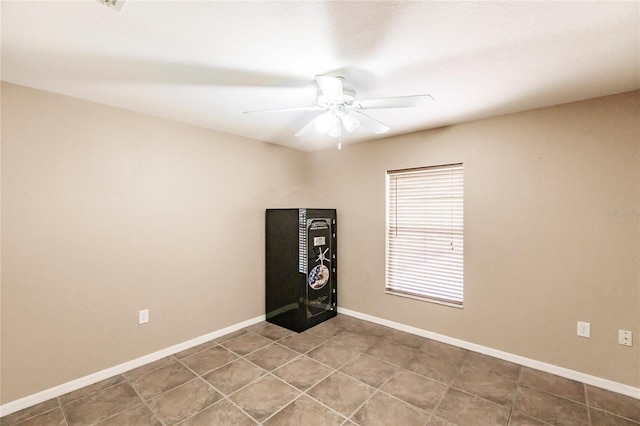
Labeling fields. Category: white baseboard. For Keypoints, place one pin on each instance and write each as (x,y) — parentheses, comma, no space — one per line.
(527,362)
(45,395)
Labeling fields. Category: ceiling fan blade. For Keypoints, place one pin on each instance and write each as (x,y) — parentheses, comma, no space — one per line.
(371,123)
(394,102)
(308,129)
(331,87)
(309,108)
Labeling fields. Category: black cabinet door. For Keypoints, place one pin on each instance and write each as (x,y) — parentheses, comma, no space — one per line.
(320,279)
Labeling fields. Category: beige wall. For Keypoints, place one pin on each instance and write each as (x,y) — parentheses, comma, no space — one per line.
(106,212)
(540,252)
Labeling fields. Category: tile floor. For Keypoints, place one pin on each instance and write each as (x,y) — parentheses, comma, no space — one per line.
(342,372)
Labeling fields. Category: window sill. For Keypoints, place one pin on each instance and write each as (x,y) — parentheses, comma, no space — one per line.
(425,299)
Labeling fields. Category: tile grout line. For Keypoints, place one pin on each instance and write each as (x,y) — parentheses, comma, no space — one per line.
(449,386)
(375,390)
(124,380)
(515,394)
(288,402)
(302,393)
(379,390)
(64,415)
(198,376)
(224,397)
(521,384)
(333,371)
(28,418)
(586,402)
(305,392)
(243,357)
(160,420)
(361,353)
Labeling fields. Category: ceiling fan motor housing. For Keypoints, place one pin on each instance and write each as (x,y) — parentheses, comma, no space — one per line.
(348,97)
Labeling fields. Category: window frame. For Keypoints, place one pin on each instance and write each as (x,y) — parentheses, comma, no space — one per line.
(449,290)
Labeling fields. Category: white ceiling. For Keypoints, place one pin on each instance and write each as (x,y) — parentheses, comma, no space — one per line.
(204,63)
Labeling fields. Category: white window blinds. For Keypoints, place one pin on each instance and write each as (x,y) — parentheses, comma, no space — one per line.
(425,233)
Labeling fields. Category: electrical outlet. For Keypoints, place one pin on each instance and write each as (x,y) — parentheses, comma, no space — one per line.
(584,329)
(143,316)
(625,337)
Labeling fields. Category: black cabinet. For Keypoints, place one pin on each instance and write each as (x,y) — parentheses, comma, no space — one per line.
(301,267)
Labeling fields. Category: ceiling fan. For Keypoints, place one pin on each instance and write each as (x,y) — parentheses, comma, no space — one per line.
(342,111)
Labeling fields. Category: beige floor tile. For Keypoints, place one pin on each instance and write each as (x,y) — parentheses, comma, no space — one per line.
(303,372)
(101,405)
(233,376)
(405,339)
(273,332)
(138,416)
(356,342)
(230,336)
(368,369)
(27,413)
(149,367)
(392,352)
(434,366)
(272,356)
(49,418)
(443,350)
(264,397)
(519,419)
(345,321)
(184,401)
(209,359)
(603,418)
(621,405)
(325,329)
(439,421)
(386,377)
(257,326)
(382,409)
(246,343)
(220,413)
(302,342)
(342,393)
(565,388)
(499,367)
(486,384)
(195,349)
(103,384)
(549,408)
(372,329)
(417,390)
(464,409)
(161,380)
(304,411)
(335,356)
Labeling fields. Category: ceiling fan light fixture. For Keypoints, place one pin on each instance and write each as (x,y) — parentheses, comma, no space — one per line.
(336,128)
(324,122)
(350,122)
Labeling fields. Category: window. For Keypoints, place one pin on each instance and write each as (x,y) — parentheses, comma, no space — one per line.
(425,233)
